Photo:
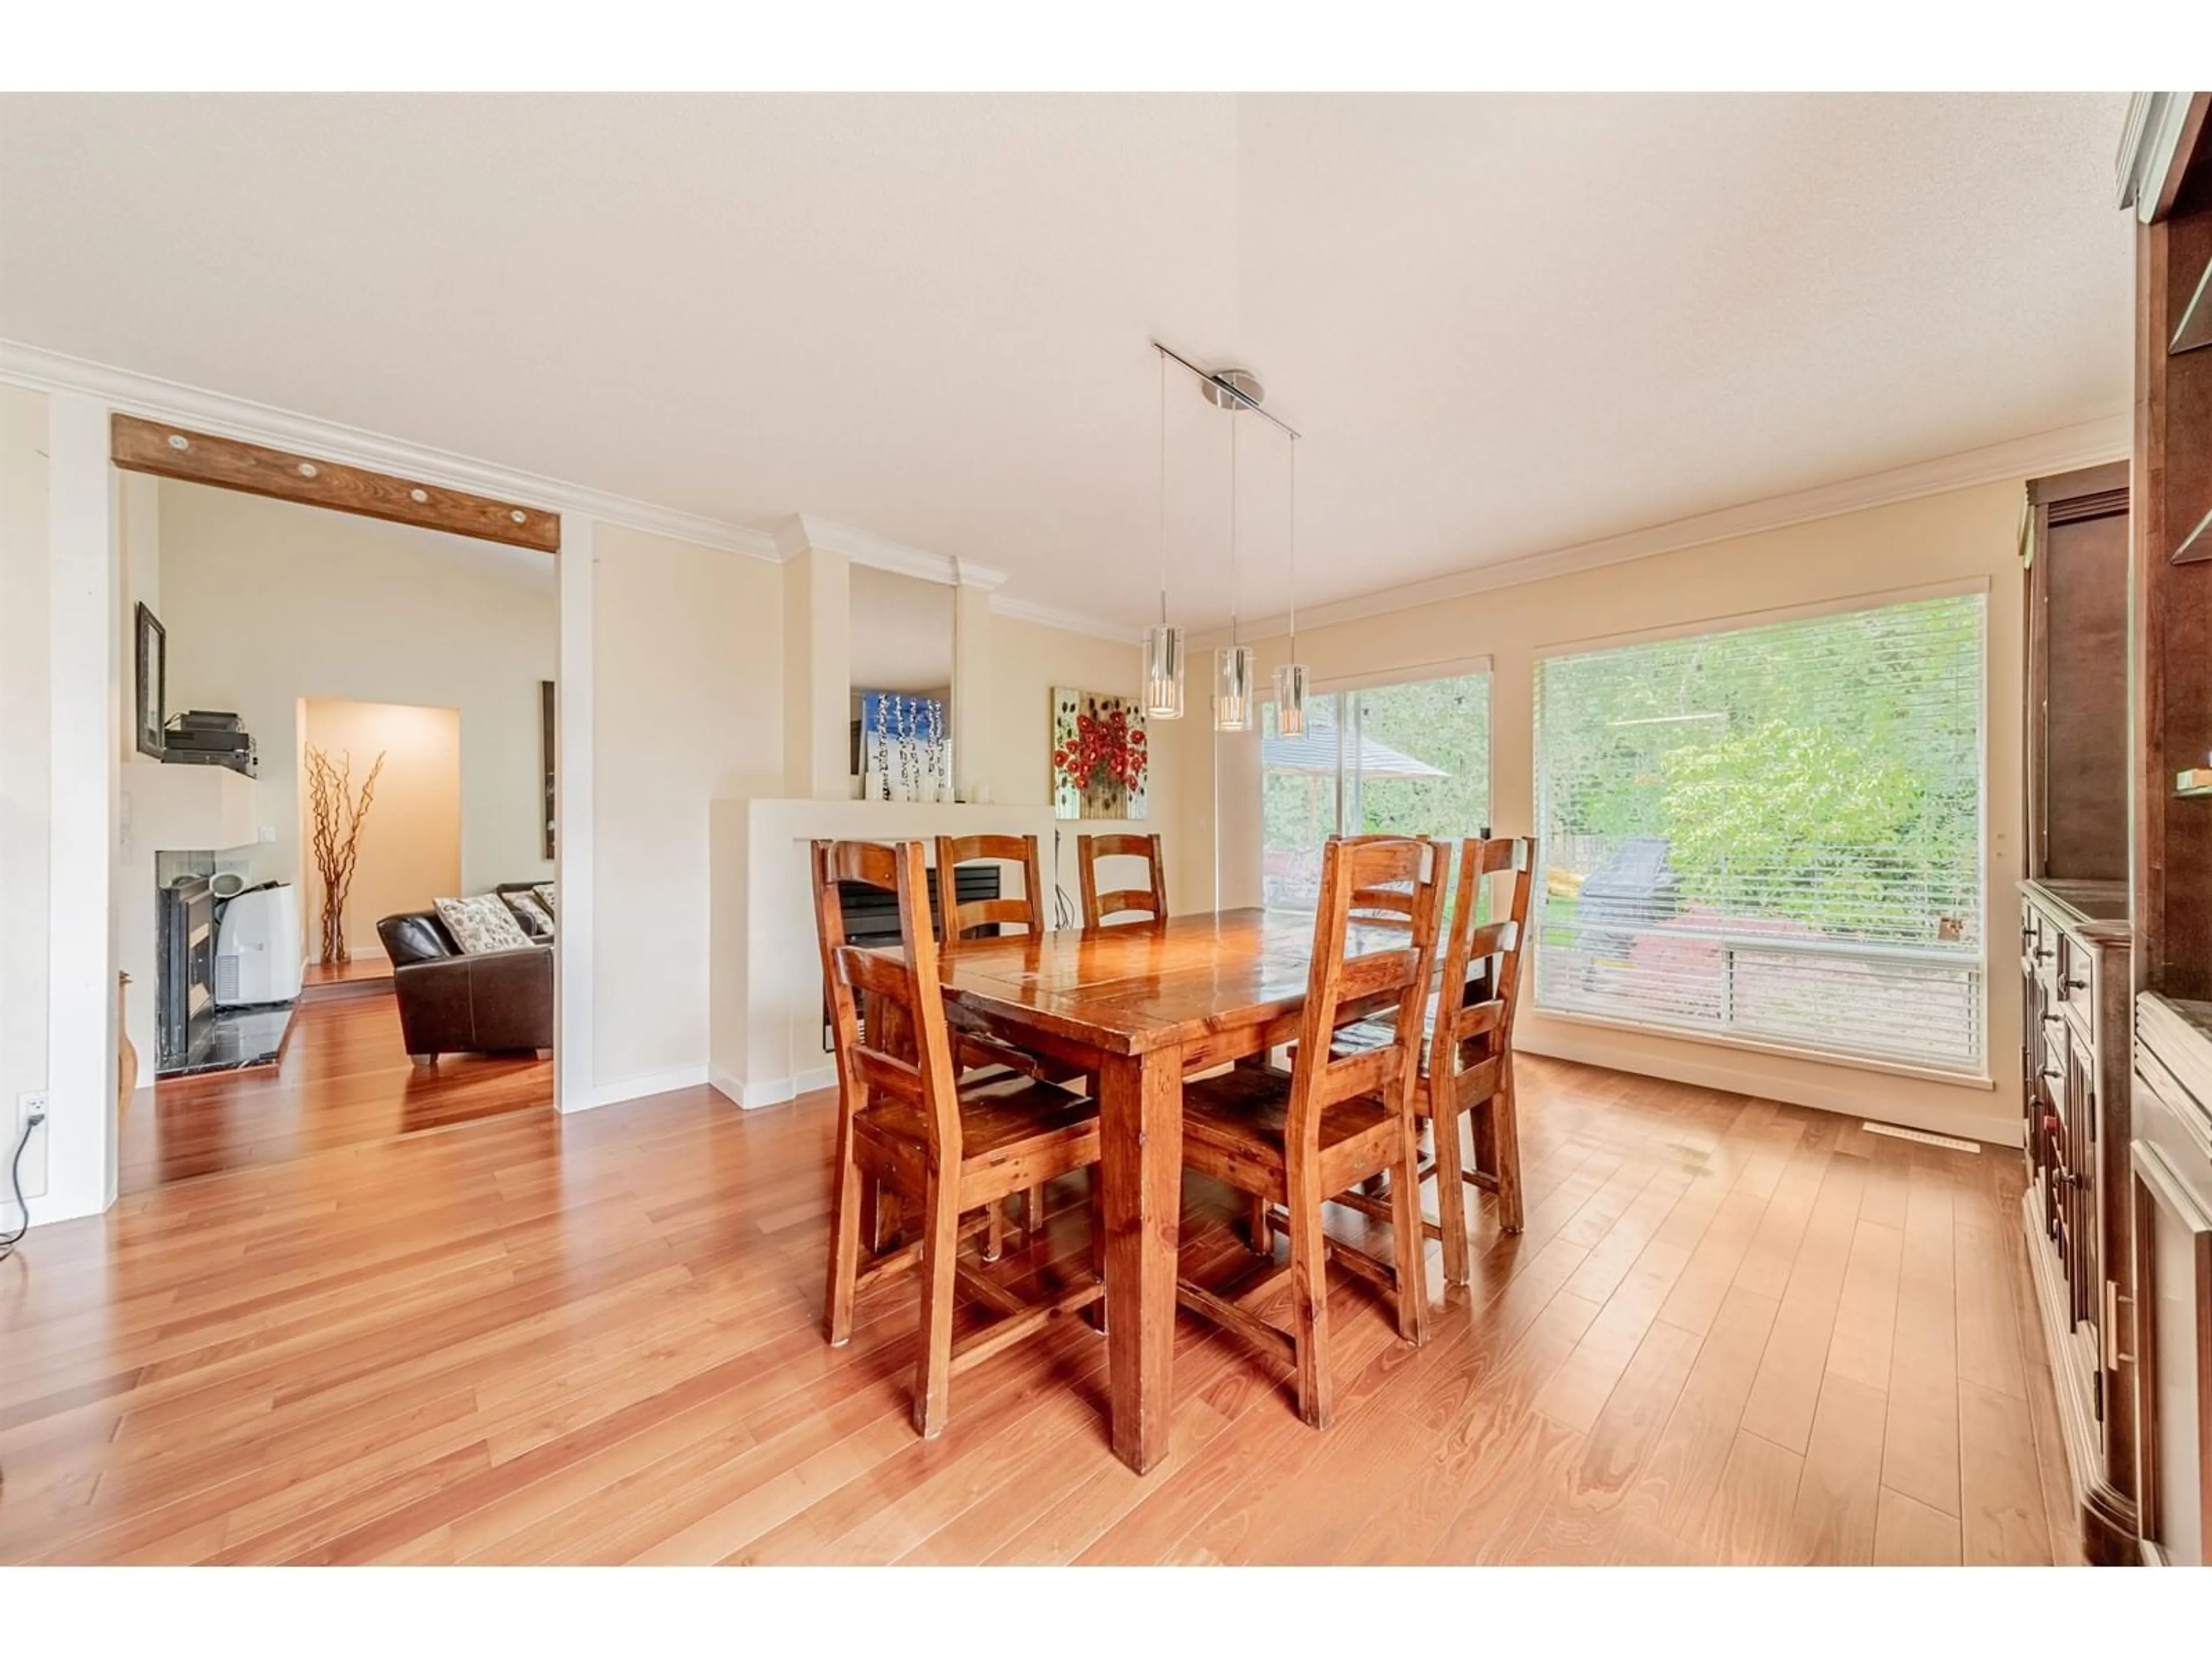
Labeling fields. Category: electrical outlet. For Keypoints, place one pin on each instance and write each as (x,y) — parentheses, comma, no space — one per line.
(32,1168)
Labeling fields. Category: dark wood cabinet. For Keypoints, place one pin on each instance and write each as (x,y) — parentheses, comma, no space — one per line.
(2074,974)
(2168,165)
(2076,979)
(2077,675)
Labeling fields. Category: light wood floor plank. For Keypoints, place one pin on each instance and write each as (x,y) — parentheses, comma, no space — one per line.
(1840,1492)
(1909,1534)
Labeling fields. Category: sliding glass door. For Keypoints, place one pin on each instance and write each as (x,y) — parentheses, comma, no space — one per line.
(1412,759)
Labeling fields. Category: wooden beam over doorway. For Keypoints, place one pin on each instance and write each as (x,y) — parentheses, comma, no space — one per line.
(173,451)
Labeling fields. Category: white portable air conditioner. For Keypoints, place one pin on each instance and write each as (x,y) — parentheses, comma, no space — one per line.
(256,949)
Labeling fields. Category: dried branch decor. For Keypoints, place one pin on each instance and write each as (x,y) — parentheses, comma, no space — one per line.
(338,814)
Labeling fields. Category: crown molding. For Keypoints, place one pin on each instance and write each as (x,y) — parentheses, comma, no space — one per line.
(2161,126)
(1072,621)
(803,531)
(2059,451)
(215,412)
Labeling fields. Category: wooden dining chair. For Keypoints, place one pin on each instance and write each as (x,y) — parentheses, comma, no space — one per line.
(1467,1056)
(905,1124)
(1150,901)
(975,1046)
(1335,1120)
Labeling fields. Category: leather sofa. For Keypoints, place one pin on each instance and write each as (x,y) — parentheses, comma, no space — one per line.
(452,1003)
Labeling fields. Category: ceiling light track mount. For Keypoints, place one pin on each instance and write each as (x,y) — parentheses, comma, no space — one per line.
(1232,389)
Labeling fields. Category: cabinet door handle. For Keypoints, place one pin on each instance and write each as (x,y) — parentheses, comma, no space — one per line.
(2045,956)
(2114,1357)
(2077,984)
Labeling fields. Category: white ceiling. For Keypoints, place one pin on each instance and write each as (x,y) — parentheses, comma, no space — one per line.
(1506,324)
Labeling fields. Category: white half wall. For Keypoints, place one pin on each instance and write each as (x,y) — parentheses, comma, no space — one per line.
(767,973)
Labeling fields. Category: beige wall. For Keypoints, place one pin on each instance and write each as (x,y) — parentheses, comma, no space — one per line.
(24,749)
(1028,659)
(1969,536)
(267,603)
(409,851)
(687,649)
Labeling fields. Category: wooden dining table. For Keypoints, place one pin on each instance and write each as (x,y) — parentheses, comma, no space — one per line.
(1137,1008)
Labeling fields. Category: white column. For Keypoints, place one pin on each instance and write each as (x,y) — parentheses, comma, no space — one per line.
(818,673)
(86,700)
(575,1081)
(973,749)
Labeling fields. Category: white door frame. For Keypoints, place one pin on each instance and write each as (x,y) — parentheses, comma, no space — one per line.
(83,691)
(574,1077)
(87,685)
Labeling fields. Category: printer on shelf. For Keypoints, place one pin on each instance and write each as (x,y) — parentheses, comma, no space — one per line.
(202,738)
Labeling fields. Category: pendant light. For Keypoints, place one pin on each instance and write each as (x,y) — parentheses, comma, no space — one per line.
(1233,666)
(1290,677)
(1163,674)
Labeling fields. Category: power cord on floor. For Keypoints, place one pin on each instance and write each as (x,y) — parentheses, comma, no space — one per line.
(1063,912)
(10,1241)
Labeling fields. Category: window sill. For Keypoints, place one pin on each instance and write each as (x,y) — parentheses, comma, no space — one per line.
(1980,1080)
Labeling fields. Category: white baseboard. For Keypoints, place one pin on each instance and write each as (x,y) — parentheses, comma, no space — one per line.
(1847,1092)
(636,1088)
(772,1091)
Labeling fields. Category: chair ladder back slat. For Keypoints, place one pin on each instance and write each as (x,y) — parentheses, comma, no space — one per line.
(883,1072)
(1370,975)
(1477,1019)
(1369,1071)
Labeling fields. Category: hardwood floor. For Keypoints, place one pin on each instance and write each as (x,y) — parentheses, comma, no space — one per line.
(1733,1331)
(366,966)
(344,1080)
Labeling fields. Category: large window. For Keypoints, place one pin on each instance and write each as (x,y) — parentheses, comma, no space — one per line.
(1412,759)
(1773,833)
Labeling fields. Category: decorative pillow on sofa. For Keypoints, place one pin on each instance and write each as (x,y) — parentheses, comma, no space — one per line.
(544,891)
(536,920)
(481,924)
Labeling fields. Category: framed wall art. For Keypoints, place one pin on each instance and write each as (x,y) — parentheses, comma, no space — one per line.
(1100,761)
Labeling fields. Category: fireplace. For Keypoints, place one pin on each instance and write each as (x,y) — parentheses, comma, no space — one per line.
(872,916)
(184,1001)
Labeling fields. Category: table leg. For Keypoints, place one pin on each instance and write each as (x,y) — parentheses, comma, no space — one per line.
(1140,1163)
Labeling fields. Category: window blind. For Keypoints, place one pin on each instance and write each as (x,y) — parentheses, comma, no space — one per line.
(1772,833)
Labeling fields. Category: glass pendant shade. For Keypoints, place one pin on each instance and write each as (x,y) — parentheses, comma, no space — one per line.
(1163,691)
(1233,673)
(1291,700)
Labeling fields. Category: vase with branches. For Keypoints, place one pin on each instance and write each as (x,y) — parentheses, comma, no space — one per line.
(339,813)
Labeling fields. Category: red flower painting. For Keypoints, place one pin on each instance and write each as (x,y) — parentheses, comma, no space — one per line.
(1099,757)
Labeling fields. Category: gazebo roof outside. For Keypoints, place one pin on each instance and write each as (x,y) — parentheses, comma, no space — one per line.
(1314,752)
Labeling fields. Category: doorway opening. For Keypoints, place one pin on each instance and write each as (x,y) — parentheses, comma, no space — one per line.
(335,907)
